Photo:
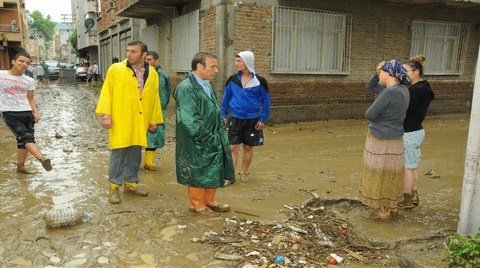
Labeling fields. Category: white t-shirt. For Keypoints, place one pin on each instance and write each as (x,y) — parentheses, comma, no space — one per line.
(13,92)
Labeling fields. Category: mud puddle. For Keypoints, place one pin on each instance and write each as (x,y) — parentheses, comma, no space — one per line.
(157,231)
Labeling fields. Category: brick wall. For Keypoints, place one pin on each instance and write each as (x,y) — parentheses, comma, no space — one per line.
(379,31)
(208,30)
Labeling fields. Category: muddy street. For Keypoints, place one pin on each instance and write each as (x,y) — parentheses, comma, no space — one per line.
(157,231)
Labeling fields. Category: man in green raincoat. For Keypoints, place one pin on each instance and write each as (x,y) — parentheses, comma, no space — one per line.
(157,139)
(203,157)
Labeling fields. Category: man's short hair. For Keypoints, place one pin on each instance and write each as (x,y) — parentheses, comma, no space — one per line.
(143,47)
(20,54)
(153,54)
(201,57)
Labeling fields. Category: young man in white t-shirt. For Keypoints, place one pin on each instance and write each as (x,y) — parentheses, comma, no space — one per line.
(19,110)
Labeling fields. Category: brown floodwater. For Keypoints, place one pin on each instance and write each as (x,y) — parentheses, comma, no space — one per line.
(297,159)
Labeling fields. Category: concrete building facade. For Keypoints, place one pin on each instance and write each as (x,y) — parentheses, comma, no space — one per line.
(13,30)
(318,55)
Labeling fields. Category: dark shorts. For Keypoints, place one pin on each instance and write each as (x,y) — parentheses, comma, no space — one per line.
(21,124)
(243,131)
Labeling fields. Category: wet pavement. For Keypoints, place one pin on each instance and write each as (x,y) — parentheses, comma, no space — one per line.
(157,231)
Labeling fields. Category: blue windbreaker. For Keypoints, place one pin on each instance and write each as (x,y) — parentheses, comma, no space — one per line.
(246,103)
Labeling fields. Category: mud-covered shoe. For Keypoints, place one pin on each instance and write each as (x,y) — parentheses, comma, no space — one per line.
(132,188)
(114,194)
(415,199)
(406,203)
(206,212)
(24,170)
(46,164)
(149,167)
(219,207)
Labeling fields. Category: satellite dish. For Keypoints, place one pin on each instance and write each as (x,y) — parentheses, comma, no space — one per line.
(89,23)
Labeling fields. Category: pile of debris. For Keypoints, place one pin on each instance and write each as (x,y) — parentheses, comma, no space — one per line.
(312,236)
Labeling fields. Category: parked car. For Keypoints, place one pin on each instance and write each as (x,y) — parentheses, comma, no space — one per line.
(53,69)
(82,73)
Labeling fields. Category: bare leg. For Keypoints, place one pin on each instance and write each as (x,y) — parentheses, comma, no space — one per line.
(416,178)
(234,149)
(247,158)
(409,180)
(32,148)
(21,157)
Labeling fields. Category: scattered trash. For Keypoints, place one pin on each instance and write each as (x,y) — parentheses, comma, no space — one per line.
(227,257)
(299,241)
(331,260)
(279,259)
(432,174)
(336,257)
(296,229)
(181,227)
(253,253)
(323,240)
(60,218)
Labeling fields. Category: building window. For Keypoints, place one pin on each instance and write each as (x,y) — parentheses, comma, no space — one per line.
(443,44)
(311,41)
(185,35)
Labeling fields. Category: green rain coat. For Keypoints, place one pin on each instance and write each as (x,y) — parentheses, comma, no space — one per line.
(157,139)
(203,157)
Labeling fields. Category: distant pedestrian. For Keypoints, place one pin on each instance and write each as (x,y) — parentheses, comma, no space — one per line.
(90,74)
(420,96)
(383,158)
(39,73)
(129,106)
(18,109)
(203,158)
(95,71)
(247,99)
(157,139)
(46,73)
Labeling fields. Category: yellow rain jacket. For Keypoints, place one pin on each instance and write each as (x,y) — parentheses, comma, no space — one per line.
(131,111)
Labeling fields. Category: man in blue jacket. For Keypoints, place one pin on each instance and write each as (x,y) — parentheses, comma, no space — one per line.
(247,99)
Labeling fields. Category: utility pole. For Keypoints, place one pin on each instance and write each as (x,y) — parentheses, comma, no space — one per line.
(469,222)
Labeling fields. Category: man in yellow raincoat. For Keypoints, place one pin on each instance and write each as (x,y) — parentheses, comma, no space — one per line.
(129,105)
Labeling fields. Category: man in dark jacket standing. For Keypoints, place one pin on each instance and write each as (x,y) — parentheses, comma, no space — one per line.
(203,157)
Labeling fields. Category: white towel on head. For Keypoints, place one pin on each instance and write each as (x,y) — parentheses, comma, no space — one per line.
(248,59)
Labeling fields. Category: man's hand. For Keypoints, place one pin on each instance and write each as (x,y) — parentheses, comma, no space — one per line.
(152,127)
(36,117)
(107,122)
(259,126)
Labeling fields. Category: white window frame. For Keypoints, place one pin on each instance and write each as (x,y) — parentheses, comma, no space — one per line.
(185,40)
(295,47)
(444,45)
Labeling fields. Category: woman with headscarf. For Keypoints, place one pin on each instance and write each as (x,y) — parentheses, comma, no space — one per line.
(383,159)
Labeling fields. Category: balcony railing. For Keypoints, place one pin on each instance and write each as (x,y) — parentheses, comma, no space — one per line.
(9,28)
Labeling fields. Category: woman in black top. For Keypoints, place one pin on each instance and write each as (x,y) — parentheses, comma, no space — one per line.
(420,96)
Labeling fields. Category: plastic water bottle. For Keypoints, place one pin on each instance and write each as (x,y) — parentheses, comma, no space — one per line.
(60,218)
(323,240)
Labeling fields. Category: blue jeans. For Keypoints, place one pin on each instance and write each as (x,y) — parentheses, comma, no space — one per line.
(124,164)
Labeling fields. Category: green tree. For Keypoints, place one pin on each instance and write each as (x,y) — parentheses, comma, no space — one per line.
(74,42)
(44,25)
